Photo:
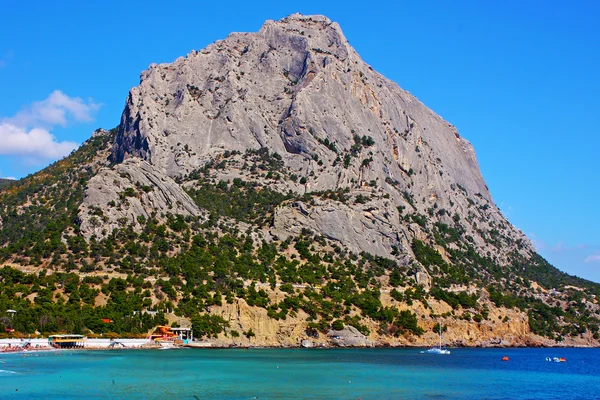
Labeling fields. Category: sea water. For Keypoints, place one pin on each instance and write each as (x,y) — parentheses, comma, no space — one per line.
(301,374)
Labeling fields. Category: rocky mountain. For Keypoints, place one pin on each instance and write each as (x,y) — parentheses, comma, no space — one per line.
(298,89)
(272,187)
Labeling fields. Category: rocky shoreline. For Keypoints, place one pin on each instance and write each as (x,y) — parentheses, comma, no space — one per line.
(305,344)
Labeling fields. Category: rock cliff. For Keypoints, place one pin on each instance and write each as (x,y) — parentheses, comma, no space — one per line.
(130,193)
(274,189)
(298,89)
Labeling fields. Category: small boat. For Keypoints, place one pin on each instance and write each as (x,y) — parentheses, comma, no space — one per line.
(438,349)
(556,359)
(505,358)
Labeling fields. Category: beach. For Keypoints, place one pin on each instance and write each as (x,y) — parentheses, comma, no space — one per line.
(89,344)
(302,373)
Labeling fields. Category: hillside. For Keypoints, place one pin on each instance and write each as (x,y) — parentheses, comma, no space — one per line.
(274,188)
(5,182)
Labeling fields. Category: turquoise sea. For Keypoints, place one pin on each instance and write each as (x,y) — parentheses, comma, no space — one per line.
(301,374)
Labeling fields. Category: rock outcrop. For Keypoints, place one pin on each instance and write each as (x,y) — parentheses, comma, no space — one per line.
(504,328)
(349,337)
(130,193)
(285,87)
(297,88)
(371,227)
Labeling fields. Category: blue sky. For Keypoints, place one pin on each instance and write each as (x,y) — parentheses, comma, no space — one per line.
(520,80)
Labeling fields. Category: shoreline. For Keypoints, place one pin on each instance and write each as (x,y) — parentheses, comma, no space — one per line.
(9,346)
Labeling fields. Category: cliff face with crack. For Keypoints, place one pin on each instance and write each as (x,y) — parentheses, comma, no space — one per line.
(285,87)
(300,90)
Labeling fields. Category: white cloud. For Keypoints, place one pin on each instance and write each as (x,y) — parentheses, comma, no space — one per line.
(28,133)
(35,143)
(538,244)
(561,247)
(57,109)
(592,258)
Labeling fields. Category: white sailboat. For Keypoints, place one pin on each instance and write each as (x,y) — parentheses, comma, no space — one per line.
(438,349)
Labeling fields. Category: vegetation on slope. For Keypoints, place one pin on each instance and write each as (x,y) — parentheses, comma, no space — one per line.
(214,265)
(5,182)
(186,265)
(39,212)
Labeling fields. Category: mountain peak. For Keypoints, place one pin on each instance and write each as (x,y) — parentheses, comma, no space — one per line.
(301,22)
(316,31)
(297,89)
(277,170)
(293,83)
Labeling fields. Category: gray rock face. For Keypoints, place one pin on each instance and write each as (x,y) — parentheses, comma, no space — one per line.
(120,196)
(285,87)
(349,337)
(299,89)
(370,227)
